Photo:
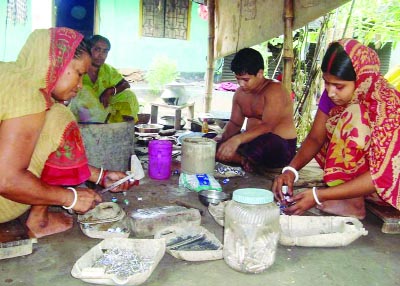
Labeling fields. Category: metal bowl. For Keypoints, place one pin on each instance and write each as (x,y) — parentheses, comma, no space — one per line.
(169,122)
(143,118)
(149,128)
(213,197)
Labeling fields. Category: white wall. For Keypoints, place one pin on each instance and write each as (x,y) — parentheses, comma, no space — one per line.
(42,14)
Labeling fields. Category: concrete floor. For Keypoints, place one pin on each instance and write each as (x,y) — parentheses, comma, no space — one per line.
(370,260)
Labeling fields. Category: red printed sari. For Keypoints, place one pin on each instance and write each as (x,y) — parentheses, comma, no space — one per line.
(59,157)
(364,135)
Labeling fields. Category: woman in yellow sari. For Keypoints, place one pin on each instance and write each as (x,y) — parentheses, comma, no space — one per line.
(48,70)
(355,137)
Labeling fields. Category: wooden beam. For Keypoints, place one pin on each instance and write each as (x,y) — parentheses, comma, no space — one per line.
(210,57)
(288,17)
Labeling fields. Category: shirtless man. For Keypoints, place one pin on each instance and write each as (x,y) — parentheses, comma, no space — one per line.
(269,139)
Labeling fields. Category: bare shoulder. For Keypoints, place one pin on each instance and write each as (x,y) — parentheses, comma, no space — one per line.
(239,95)
(275,86)
(275,91)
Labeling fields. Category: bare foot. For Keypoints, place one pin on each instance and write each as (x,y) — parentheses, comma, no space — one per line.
(41,222)
(350,207)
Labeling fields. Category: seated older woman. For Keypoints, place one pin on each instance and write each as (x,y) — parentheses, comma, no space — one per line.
(105,94)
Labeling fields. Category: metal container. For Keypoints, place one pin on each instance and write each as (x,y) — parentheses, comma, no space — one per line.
(175,94)
(109,145)
(169,122)
(213,197)
(198,155)
(149,128)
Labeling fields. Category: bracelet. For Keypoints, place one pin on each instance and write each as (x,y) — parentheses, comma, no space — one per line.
(100,176)
(75,199)
(314,192)
(115,90)
(293,170)
(103,181)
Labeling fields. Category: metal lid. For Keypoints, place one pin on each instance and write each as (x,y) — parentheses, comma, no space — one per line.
(253,196)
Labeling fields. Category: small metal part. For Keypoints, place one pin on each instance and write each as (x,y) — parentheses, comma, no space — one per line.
(185,241)
(123,262)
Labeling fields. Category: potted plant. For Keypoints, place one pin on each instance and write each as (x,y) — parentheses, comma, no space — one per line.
(162,71)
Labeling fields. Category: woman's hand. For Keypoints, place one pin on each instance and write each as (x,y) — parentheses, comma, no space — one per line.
(285,179)
(113,176)
(106,95)
(301,203)
(87,200)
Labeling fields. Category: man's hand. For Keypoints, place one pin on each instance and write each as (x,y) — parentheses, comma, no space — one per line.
(218,138)
(228,149)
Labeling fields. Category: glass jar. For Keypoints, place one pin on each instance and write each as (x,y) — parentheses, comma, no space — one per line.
(251,230)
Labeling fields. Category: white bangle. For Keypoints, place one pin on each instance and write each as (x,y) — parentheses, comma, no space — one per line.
(115,90)
(100,176)
(293,170)
(314,192)
(75,199)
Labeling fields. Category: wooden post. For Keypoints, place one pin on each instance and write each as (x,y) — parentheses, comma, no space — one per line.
(210,57)
(288,16)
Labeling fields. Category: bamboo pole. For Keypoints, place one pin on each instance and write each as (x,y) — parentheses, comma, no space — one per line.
(288,16)
(210,57)
(348,18)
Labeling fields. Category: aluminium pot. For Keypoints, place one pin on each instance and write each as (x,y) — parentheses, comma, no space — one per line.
(148,128)
(169,122)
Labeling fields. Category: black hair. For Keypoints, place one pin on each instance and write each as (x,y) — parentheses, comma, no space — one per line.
(248,61)
(96,38)
(338,63)
(82,48)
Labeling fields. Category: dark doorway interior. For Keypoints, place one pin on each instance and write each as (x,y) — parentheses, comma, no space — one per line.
(76,14)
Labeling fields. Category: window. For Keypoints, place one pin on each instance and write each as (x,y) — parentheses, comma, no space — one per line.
(165,18)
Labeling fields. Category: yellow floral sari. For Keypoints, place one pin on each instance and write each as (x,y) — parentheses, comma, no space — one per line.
(26,87)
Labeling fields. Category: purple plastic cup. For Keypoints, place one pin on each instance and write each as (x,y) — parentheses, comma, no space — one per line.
(160,158)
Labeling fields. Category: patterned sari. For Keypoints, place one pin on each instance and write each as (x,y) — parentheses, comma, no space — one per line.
(364,134)
(26,87)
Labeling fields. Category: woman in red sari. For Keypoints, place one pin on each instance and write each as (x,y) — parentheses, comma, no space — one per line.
(355,137)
